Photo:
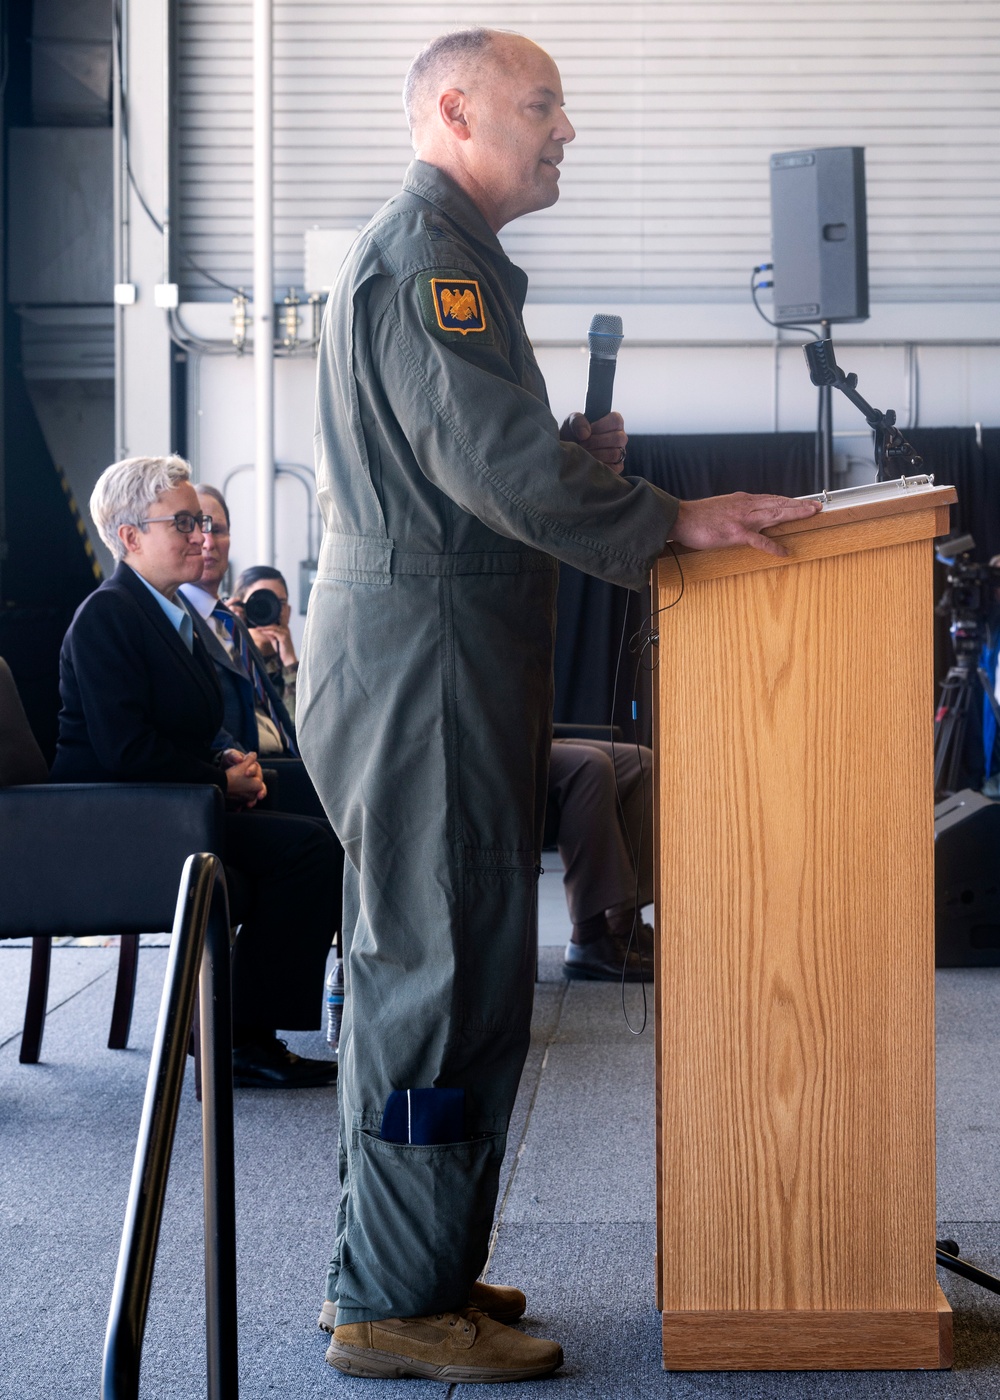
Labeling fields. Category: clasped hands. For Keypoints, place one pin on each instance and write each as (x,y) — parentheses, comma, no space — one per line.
(711,523)
(244,779)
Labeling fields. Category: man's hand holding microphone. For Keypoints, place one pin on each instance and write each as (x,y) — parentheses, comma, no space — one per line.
(711,523)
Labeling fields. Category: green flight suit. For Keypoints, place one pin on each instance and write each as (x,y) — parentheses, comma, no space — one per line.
(424,710)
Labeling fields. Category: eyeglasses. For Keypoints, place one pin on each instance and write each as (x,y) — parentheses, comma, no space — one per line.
(183,521)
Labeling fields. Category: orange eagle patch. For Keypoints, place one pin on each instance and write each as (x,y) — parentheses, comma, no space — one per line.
(458,305)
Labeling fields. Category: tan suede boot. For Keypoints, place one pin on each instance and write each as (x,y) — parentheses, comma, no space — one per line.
(463,1346)
(502,1304)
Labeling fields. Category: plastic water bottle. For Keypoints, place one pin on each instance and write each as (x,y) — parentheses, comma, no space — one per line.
(334,1004)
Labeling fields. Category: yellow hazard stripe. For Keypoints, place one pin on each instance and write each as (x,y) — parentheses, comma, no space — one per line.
(81,527)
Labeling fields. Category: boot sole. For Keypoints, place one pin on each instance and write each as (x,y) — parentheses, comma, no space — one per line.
(596,974)
(328,1317)
(385,1365)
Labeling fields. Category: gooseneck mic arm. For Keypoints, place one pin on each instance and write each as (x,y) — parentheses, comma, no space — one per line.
(603,341)
(891,448)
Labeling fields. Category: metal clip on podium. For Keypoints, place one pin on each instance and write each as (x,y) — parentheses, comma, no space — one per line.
(200,942)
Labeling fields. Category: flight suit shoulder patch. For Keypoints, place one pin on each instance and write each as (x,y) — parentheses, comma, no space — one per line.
(453,307)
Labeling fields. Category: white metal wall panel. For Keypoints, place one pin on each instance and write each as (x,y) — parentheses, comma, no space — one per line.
(677,106)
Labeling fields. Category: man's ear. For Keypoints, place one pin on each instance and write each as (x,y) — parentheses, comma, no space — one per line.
(453,109)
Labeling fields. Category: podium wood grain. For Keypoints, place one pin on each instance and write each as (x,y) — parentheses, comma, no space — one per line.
(795,1036)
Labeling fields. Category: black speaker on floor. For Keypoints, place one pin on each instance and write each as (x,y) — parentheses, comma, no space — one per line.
(967,881)
(819,235)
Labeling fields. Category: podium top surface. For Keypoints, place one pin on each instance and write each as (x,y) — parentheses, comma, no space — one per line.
(852,509)
(869,502)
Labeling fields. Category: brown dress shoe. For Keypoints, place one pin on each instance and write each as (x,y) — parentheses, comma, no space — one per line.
(451,1347)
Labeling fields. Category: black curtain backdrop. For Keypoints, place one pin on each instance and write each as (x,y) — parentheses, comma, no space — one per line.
(592,613)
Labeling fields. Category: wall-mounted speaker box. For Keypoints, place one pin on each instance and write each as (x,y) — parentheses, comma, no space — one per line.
(819,235)
(967,881)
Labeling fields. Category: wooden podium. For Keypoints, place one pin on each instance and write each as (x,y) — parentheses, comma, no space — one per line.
(795,965)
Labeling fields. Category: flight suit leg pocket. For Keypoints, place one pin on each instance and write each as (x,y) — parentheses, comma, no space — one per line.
(419,1224)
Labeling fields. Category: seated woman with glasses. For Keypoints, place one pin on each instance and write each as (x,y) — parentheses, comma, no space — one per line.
(141,702)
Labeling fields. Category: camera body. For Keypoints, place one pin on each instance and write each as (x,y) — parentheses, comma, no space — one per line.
(262,608)
(972,598)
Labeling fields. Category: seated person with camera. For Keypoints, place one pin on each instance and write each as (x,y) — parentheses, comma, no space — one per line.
(260,598)
(141,702)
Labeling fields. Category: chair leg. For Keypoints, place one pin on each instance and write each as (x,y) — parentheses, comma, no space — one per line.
(121,1014)
(38,995)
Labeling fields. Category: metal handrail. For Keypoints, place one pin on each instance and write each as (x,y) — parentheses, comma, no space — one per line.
(200,941)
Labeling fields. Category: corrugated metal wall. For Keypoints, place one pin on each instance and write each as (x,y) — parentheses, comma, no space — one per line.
(677,108)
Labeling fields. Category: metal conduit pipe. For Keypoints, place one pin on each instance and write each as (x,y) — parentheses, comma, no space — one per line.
(307,477)
(263,274)
(119,217)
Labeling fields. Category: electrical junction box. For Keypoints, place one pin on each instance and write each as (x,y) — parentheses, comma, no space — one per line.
(326,249)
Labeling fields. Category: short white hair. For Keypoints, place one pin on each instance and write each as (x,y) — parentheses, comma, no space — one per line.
(126,490)
(443,56)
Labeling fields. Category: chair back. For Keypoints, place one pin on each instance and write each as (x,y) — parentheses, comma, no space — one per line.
(21,759)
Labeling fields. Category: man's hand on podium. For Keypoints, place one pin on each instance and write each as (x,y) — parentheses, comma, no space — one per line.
(717,521)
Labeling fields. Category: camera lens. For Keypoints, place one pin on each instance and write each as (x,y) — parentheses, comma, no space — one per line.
(263,608)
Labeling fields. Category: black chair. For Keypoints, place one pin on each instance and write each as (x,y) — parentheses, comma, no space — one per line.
(85,859)
(290,789)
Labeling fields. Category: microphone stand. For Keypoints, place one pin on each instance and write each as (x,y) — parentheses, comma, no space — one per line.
(824,428)
(891,448)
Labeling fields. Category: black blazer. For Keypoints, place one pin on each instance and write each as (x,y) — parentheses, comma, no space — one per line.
(136,704)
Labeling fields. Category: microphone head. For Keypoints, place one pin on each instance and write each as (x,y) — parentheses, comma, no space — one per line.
(823,367)
(605,336)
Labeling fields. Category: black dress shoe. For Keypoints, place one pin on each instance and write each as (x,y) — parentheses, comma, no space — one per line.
(629,932)
(270,1064)
(602,959)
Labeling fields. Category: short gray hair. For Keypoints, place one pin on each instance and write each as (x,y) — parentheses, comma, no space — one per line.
(436,58)
(204,489)
(126,490)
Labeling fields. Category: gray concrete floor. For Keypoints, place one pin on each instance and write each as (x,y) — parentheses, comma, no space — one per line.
(575,1226)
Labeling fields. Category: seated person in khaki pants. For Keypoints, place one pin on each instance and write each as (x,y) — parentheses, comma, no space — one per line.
(600,800)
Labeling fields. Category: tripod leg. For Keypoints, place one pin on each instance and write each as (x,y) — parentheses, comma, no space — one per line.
(950,723)
(948,1259)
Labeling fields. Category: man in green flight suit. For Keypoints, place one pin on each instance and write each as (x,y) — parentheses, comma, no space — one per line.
(448,494)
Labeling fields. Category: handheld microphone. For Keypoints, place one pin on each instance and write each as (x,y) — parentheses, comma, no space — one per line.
(604,341)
